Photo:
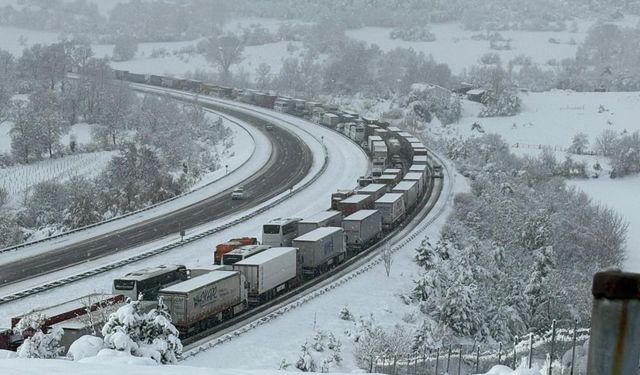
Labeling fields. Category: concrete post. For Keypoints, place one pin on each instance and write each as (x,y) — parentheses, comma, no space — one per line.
(614,347)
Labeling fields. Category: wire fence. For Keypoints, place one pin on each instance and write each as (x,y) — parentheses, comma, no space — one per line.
(556,351)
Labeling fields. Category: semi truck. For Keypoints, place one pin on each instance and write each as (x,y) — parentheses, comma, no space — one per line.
(361,229)
(409,190)
(270,273)
(321,249)
(354,203)
(322,219)
(391,206)
(202,301)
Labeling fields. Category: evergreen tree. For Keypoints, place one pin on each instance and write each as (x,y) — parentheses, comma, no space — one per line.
(160,336)
(537,293)
(425,255)
(38,344)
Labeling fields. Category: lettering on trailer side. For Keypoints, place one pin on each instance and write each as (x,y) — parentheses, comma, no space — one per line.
(205,297)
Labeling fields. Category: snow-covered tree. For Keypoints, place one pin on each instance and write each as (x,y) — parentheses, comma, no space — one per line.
(161,338)
(579,144)
(345,314)
(425,255)
(38,344)
(321,355)
(150,335)
(224,52)
(125,48)
(263,76)
(83,201)
(537,293)
(45,112)
(537,231)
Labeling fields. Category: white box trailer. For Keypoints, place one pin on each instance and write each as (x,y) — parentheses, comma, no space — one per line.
(330,120)
(357,133)
(322,219)
(391,206)
(269,273)
(206,299)
(362,229)
(417,176)
(371,140)
(409,190)
(321,249)
(374,190)
(419,168)
(420,160)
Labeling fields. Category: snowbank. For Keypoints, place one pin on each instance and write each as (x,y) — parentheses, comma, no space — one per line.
(109,366)
(504,370)
(86,346)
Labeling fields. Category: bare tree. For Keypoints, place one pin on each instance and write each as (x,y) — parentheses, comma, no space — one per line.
(263,73)
(387,259)
(224,52)
(97,312)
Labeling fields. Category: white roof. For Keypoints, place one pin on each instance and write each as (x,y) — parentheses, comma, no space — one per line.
(330,115)
(356,198)
(405,185)
(391,171)
(389,198)
(381,130)
(318,234)
(150,271)
(405,135)
(375,138)
(420,158)
(78,303)
(360,215)
(394,129)
(371,188)
(413,176)
(418,168)
(265,256)
(283,221)
(476,92)
(321,216)
(198,282)
(246,249)
(386,177)
(413,139)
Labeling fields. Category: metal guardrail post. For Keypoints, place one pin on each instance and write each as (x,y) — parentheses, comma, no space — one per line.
(614,347)
(448,359)
(573,348)
(500,353)
(478,359)
(530,349)
(460,361)
(437,361)
(553,347)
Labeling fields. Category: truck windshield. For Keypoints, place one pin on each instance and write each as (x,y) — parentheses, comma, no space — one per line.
(124,284)
(271,229)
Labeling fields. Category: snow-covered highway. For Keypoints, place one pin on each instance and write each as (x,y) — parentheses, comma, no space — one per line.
(345,163)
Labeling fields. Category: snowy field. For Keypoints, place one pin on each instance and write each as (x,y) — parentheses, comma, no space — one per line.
(552,119)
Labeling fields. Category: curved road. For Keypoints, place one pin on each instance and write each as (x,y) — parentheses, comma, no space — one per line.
(288,164)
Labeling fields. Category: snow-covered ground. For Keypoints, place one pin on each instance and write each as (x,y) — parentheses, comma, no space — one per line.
(371,293)
(347,163)
(552,119)
(110,366)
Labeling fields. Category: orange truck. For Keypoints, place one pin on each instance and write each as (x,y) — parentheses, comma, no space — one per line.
(231,245)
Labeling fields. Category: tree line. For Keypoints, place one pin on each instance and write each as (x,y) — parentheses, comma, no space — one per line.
(517,252)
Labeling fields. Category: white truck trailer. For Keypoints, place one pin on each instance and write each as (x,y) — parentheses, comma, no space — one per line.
(321,249)
(270,273)
(322,219)
(391,206)
(362,229)
(409,190)
(201,301)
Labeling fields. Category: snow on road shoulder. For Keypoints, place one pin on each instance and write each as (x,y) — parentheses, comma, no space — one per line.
(370,293)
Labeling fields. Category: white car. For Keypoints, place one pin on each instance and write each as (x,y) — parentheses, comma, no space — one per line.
(237,193)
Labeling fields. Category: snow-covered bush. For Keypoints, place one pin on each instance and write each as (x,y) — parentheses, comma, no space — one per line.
(345,314)
(148,335)
(321,355)
(38,344)
(85,346)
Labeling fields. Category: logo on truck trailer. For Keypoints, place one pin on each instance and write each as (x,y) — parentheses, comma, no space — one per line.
(205,297)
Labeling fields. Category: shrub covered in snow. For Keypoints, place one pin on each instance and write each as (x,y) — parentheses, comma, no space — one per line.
(413,34)
(85,346)
(148,335)
(38,344)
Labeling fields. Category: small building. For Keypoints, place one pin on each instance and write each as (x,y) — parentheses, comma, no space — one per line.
(476,95)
